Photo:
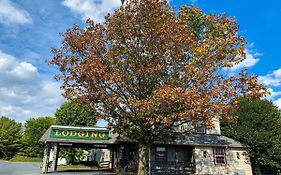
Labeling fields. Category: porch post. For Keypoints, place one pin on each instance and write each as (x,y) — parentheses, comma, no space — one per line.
(193,155)
(46,158)
(118,167)
(112,154)
(55,157)
(193,160)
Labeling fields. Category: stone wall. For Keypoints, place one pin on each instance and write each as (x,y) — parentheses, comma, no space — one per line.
(238,162)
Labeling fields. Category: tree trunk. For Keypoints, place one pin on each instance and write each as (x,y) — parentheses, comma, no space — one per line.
(258,170)
(142,162)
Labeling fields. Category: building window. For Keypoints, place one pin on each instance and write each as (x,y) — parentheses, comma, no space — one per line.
(123,153)
(160,153)
(200,130)
(200,127)
(219,156)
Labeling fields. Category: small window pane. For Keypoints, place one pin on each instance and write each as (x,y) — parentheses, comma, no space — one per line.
(160,154)
(219,156)
(160,149)
(220,160)
(200,130)
(200,127)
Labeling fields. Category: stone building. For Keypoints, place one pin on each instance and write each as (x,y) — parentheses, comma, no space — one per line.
(206,152)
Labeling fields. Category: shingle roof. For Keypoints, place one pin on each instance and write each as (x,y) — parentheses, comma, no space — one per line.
(207,140)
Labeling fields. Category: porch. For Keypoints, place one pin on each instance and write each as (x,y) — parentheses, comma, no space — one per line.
(162,159)
(171,167)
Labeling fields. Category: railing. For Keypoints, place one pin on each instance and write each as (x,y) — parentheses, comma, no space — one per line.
(129,166)
(184,168)
(162,168)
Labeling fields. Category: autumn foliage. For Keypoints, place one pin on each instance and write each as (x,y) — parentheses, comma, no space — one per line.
(148,68)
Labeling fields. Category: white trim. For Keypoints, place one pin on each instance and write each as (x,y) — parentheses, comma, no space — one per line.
(79,128)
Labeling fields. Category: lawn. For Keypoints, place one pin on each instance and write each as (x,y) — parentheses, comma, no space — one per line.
(18,158)
(79,166)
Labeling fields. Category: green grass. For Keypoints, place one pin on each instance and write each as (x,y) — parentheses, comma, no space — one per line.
(18,158)
(79,166)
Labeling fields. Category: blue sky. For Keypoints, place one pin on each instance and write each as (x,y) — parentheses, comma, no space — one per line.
(28,29)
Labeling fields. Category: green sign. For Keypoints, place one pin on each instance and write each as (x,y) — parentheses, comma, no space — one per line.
(79,134)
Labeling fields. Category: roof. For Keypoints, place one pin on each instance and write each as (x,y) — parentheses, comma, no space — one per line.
(191,140)
(207,140)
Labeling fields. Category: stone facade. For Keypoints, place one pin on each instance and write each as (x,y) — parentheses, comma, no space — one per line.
(237,162)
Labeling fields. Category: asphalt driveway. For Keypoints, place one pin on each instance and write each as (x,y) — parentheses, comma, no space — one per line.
(15,168)
(20,168)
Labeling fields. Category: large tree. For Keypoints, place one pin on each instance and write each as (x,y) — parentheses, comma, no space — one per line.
(10,135)
(258,126)
(148,69)
(74,114)
(34,129)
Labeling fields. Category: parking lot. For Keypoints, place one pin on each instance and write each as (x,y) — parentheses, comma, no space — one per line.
(19,168)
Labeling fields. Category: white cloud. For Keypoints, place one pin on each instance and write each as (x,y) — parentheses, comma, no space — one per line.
(15,112)
(271,79)
(14,72)
(250,61)
(251,45)
(24,92)
(94,9)
(10,14)
(277,73)
(273,94)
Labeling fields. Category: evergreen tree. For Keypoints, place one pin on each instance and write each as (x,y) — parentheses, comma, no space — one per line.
(74,114)
(34,130)
(10,135)
(258,126)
